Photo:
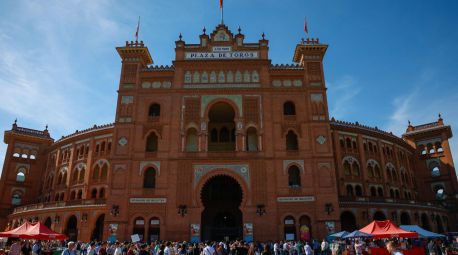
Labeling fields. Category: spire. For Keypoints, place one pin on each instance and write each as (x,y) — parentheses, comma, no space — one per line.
(222,12)
(204,30)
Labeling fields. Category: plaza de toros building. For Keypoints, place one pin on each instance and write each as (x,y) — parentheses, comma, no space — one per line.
(222,145)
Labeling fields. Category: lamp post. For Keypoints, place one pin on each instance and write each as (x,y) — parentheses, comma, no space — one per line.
(182,210)
(114,210)
(261,209)
(329,208)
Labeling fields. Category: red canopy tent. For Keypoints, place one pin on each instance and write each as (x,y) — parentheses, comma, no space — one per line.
(17,231)
(35,231)
(386,229)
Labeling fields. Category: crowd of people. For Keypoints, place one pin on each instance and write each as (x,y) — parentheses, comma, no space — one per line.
(315,247)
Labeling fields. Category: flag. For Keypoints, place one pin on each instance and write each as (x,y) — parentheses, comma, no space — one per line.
(138,28)
(305,26)
(221,4)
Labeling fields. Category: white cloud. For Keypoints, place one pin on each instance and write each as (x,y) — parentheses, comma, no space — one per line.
(341,94)
(421,106)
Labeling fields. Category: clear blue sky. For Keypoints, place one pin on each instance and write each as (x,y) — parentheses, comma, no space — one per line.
(387,62)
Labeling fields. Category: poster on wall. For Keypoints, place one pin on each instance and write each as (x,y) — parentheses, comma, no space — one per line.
(112,229)
(248,232)
(330,226)
(289,237)
(304,233)
(195,233)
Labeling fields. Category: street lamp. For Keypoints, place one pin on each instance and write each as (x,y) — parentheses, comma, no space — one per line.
(261,209)
(182,210)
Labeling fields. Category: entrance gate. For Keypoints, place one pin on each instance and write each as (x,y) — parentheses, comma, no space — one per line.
(221,218)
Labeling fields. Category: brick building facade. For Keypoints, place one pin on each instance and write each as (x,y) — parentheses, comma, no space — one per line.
(223,144)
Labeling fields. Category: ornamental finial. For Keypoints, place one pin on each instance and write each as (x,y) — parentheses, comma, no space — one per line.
(239,30)
(204,30)
(263,36)
(180,36)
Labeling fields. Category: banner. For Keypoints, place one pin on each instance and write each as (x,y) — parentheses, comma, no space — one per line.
(248,232)
(304,233)
(195,233)
(112,229)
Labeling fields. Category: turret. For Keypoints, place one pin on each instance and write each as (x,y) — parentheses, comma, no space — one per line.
(24,164)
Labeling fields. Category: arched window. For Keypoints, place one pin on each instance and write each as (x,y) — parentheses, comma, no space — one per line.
(289,108)
(16,199)
(149,178)
(104,172)
(377,171)
(252,139)
(397,194)
(430,148)
(373,192)
(224,135)
(439,191)
(96,173)
(102,193)
(81,174)
(350,190)
(380,191)
(214,135)
(294,177)
(434,168)
(354,145)
(291,141)
(391,193)
(191,140)
(358,191)
(439,147)
(347,168)
(342,143)
(62,196)
(73,195)
(204,77)
(348,142)
(154,110)
(394,174)
(355,169)
(370,171)
(75,176)
(94,193)
(151,142)
(80,194)
(20,176)
(139,227)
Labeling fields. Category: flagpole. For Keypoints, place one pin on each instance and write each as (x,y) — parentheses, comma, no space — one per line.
(222,13)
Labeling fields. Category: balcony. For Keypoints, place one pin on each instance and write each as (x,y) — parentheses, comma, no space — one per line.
(50,205)
(387,201)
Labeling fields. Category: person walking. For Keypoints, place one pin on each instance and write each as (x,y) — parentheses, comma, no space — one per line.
(70,250)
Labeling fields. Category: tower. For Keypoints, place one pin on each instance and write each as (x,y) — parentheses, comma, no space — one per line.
(435,170)
(25,161)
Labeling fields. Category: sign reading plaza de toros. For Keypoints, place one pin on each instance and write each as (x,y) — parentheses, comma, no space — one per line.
(222,53)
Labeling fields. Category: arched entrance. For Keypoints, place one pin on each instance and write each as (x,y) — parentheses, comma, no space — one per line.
(72,228)
(154,229)
(378,215)
(405,218)
(97,233)
(348,221)
(221,218)
(221,127)
(425,222)
(289,228)
(48,222)
(305,228)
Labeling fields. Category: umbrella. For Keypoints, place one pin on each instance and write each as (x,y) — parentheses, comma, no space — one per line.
(422,232)
(36,231)
(386,229)
(339,234)
(357,234)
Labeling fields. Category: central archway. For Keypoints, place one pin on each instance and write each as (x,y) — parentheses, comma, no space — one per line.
(221,127)
(221,219)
